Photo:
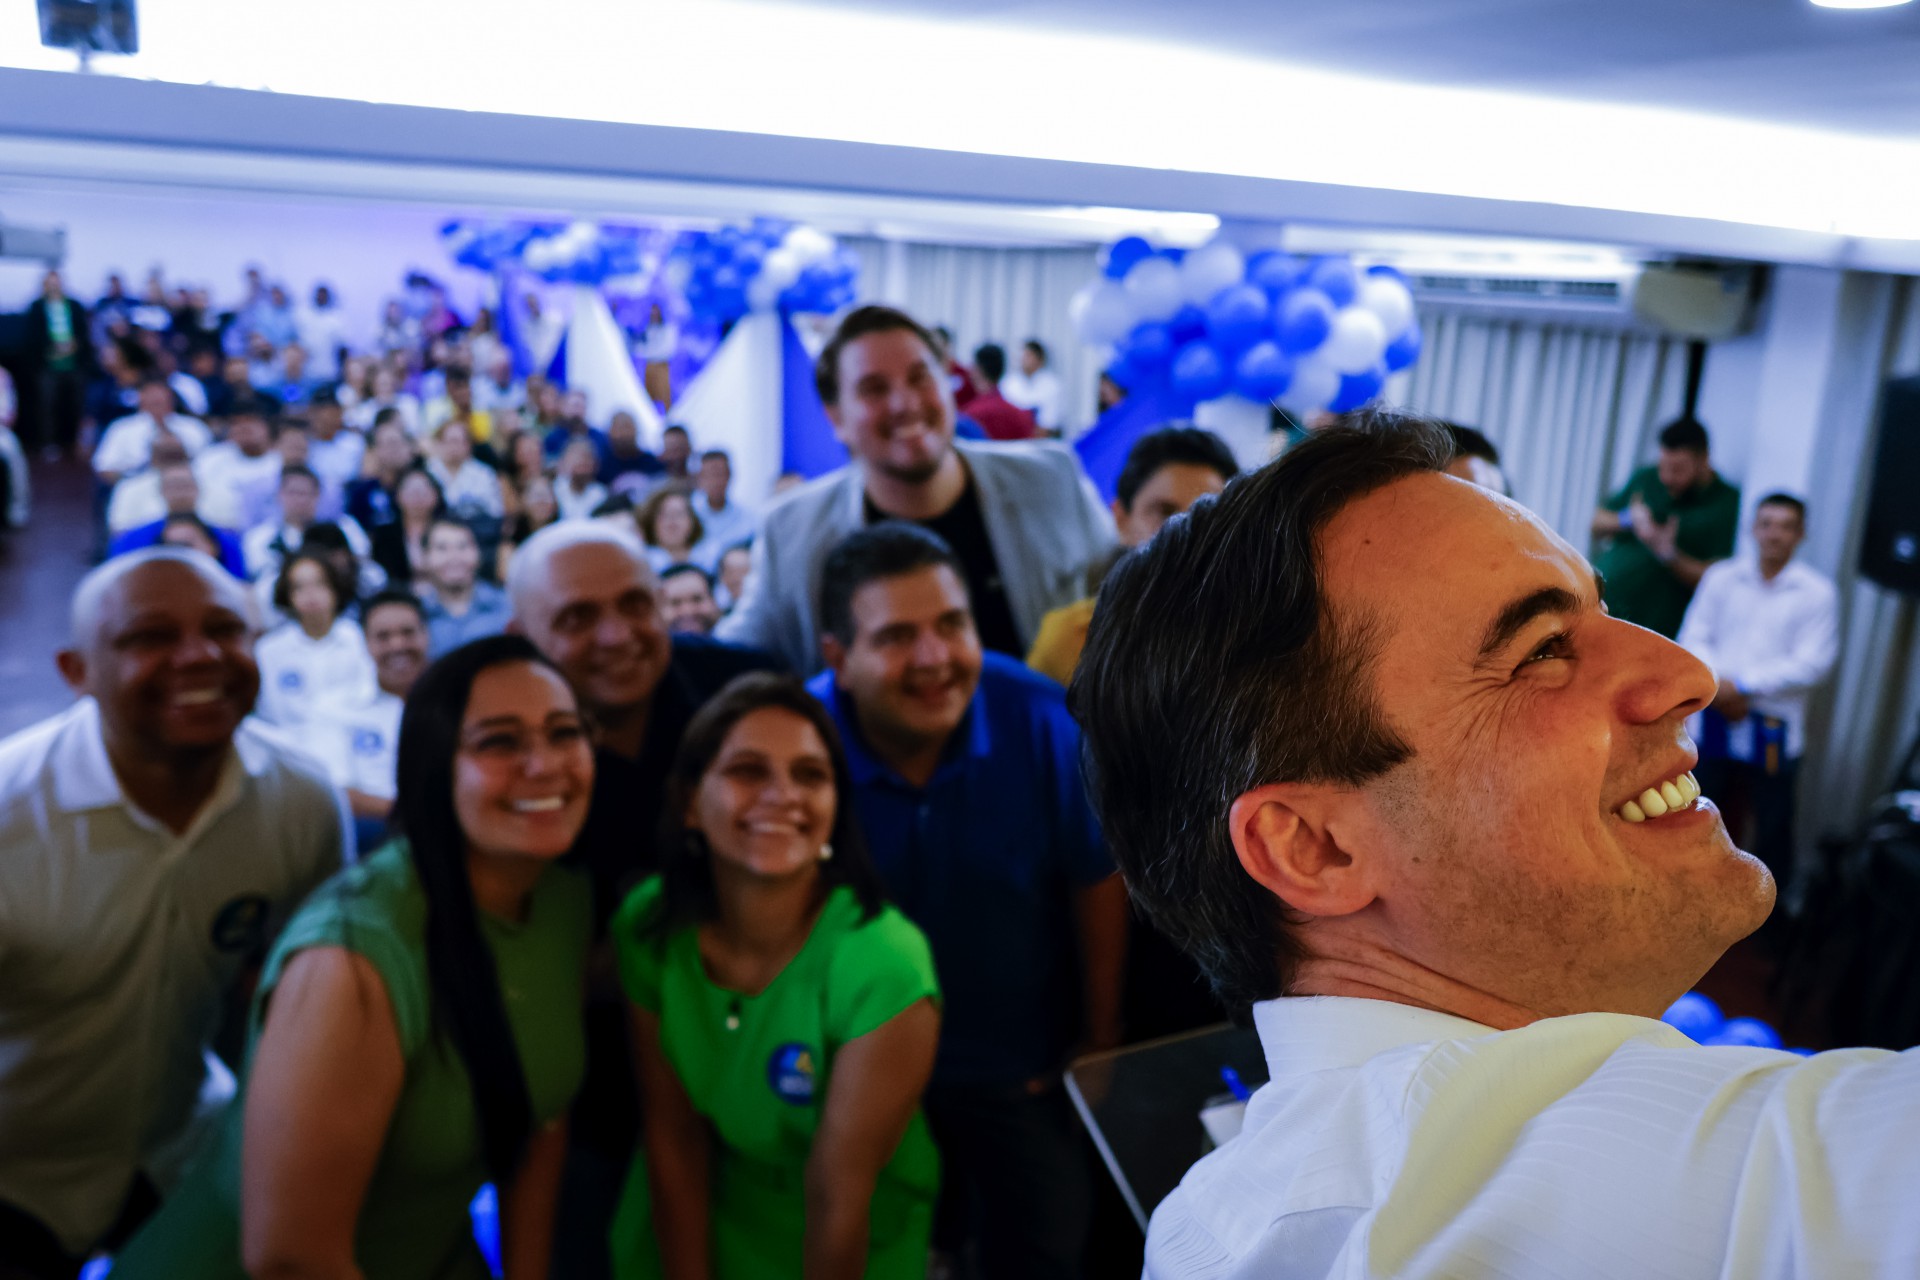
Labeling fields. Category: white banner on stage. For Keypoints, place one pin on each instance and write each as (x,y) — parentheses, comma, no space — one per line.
(735,403)
(599,364)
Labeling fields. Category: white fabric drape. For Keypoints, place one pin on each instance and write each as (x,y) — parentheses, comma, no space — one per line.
(1571,409)
(1860,722)
(992,295)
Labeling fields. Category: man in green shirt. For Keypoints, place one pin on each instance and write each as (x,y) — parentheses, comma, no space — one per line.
(1657,535)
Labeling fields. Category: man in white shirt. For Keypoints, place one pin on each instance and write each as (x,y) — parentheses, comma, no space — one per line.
(127,444)
(151,844)
(1428,811)
(1769,627)
(1034,386)
(323,332)
(723,522)
(170,485)
(359,741)
(267,544)
(470,486)
(333,451)
(241,475)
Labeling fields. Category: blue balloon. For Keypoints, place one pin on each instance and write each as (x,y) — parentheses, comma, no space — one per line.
(1336,278)
(1262,372)
(1124,253)
(1274,272)
(1356,389)
(1150,346)
(1800,1052)
(1188,323)
(1301,321)
(1747,1031)
(1237,317)
(1695,1016)
(1172,254)
(1393,273)
(1199,373)
(1404,350)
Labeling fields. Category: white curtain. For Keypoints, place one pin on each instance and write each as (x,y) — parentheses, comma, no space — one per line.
(1570,409)
(1859,724)
(992,295)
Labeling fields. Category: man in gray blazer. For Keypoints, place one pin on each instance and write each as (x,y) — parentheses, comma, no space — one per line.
(1022,518)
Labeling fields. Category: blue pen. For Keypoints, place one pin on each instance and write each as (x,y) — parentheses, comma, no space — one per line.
(1235,1085)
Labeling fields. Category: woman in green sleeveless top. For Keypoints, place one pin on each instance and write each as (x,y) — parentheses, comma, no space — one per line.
(784,1018)
(417,1030)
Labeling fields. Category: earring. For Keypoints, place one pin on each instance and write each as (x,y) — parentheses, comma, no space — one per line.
(826,852)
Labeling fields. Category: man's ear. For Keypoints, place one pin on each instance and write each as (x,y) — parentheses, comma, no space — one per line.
(832,652)
(1283,834)
(839,431)
(73,669)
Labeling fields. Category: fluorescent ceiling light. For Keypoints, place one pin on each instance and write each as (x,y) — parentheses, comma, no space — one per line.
(764,66)
(1859,4)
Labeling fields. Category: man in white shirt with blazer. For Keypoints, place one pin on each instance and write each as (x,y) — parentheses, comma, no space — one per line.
(1365,743)
(1022,518)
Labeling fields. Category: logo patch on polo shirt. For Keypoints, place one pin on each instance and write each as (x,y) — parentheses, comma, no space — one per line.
(241,924)
(367,742)
(790,1074)
(290,681)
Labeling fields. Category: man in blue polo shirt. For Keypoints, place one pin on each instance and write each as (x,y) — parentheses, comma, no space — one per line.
(966,779)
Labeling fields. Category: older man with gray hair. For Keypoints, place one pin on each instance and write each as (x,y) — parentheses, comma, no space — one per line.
(1431,817)
(583,592)
(152,842)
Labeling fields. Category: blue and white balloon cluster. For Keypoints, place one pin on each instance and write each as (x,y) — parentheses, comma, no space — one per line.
(1316,333)
(769,265)
(557,252)
(1698,1018)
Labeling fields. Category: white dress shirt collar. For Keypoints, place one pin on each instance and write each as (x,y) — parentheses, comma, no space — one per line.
(83,776)
(1303,1034)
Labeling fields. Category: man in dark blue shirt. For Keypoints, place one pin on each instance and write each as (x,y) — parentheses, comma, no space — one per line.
(966,778)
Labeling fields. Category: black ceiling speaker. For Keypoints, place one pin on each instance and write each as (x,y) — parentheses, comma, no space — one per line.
(89,26)
(1890,552)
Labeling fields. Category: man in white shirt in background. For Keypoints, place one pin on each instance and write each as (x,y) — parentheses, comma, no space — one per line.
(359,740)
(241,474)
(1034,387)
(334,451)
(1769,627)
(152,843)
(127,444)
(170,485)
(323,331)
(723,522)
(471,487)
(1431,817)
(272,541)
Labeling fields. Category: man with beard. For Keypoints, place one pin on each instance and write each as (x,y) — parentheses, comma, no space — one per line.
(585,595)
(1022,519)
(152,841)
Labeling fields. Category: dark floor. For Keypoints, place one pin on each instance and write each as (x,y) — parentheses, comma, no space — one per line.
(39,566)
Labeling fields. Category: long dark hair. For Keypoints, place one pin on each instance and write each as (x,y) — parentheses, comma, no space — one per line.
(465,985)
(686,867)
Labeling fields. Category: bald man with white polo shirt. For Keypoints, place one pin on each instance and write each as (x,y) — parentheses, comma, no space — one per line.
(152,841)
(1404,788)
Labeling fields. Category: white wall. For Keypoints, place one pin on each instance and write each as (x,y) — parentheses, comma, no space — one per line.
(362,250)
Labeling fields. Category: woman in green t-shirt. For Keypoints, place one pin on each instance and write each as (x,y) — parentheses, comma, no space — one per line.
(418,1029)
(784,1018)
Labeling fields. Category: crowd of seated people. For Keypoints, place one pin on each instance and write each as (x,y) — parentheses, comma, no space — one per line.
(527,691)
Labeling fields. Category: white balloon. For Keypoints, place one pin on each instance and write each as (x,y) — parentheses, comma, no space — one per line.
(580,233)
(1102,313)
(540,254)
(1356,342)
(677,273)
(1207,270)
(762,293)
(1315,384)
(783,267)
(1153,288)
(1388,299)
(808,245)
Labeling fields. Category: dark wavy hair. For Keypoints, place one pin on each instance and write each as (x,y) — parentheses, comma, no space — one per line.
(464,984)
(686,866)
(342,587)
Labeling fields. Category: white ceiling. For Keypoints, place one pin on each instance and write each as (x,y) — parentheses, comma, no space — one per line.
(1783,61)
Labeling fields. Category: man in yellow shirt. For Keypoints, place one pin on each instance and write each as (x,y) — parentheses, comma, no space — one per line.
(1167,471)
